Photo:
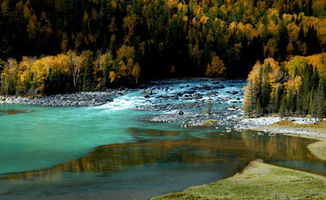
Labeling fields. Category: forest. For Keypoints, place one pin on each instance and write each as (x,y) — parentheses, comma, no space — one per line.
(294,87)
(53,46)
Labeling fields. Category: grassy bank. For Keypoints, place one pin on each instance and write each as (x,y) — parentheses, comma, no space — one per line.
(320,126)
(287,127)
(258,181)
(318,149)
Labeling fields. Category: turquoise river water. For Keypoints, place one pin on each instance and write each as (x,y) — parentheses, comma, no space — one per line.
(112,152)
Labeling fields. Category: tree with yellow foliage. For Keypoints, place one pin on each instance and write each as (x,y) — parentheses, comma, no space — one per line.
(296,87)
(151,36)
(216,67)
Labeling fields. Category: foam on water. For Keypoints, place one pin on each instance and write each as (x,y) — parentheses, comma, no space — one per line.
(60,144)
(124,102)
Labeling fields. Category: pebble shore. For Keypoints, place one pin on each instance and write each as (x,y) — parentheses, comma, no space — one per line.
(78,99)
(263,124)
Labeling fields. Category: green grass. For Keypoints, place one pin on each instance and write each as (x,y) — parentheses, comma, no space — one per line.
(258,181)
(318,149)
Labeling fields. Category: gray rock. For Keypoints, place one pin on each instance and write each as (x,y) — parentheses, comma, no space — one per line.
(148,92)
(232,92)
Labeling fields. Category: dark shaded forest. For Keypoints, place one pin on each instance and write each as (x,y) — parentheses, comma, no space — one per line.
(52,46)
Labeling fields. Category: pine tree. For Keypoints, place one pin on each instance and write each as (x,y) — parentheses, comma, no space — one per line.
(321,99)
(312,41)
(88,71)
(283,41)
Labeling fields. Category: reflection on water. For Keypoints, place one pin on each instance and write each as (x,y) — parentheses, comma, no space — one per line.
(150,159)
(12,112)
(151,132)
(216,156)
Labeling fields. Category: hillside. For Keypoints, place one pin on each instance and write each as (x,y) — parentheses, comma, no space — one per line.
(69,45)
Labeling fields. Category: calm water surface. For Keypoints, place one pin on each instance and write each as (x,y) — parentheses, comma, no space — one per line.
(110,152)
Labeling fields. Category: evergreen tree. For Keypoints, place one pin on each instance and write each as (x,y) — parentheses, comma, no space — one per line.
(321,99)
(283,41)
(312,41)
(88,71)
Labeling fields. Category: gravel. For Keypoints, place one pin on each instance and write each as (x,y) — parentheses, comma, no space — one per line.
(77,99)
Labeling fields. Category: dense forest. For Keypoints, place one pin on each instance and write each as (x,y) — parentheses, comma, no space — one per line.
(294,87)
(51,46)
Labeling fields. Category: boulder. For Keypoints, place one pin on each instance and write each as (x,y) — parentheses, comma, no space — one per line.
(232,92)
(148,92)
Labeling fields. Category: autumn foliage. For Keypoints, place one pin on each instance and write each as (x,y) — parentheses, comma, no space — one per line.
(113,41)
(293,87)
(68,72)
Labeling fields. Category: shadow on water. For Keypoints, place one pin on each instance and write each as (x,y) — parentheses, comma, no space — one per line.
(152,166)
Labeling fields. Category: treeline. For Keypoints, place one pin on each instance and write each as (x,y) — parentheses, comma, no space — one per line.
(69,72)
(96,43)
(182,36)
(293,87)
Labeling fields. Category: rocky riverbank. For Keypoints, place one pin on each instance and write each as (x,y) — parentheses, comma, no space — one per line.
(196,103)
(68,100)
(297,126)
(217,104)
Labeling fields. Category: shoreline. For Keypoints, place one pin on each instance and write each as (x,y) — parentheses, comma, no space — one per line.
(297,126)
(293,126)
(258,180)
(75,99)
(318,149)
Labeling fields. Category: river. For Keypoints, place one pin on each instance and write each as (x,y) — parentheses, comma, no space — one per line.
(122,150)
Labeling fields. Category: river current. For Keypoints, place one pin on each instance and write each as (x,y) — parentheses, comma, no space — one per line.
(117,150)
